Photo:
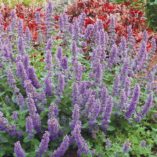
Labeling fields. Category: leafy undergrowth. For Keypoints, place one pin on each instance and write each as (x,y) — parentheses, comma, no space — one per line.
(56,102)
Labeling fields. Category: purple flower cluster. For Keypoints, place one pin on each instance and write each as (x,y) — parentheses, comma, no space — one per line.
(73,94)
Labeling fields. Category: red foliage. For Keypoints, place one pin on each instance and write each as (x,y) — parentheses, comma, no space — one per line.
(124,13)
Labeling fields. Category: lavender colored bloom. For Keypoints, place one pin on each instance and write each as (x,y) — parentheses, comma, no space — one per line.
(48,86)
(32,76)
(59,54)
(53,111)
(7,54)
(11,79)
(63,21)
(113,56)
(26,61)
(49,45)
(37,17)
(108,143)
(53,127)
(12,131)
(62,148)
(48,60)
(36,122)
(123,100)
(123,44)
(28,34)
(107,114)
(124,72)
(153,43)
(21,72)
(98,72)
(141,57)
(143,143)
(126,147)
(81,19)
(75,31)
(78,69)
(15,115)
(64,63)
(20,28)
(80,141)
(31,105)
(94,112)
(18,150)
(21,46)
(103,98)
(29,126)
(20,100)
(116,86)
(145,36)
(134,101)
(61,84)
(89,31)
(145,108)
(43,144)
(75,116)
(99,24)
(74,48)
(127,87)
(48,18)
(29,87)
(3,122)
(75,93)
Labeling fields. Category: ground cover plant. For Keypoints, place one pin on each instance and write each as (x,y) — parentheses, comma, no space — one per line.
(56,102)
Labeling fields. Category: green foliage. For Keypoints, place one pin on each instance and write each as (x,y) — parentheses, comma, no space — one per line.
(151,12)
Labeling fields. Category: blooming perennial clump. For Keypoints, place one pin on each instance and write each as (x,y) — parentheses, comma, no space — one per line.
(55,103)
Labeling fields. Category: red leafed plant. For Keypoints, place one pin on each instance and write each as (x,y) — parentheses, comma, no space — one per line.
(125,15)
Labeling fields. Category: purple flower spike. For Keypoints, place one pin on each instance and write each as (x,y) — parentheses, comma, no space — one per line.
(74,48)
(113,56)
(28,35)
(75,31)
(29,87)
(48,60)
(61,84)
(32,76)
(31,105)
(11,79)
(29,126)
(75,116)
(75,93)
(80,141)
(43,144)
(53,111)
(145,108)
(53,128)
(64,63)
(126,147)
(49,45)
(20,46)
(62,148)
(48,86)
(36,122)
(116,86)
(153,43)
(59,54)
(134,101)
(145,36)
(19,152)
(107,114)
(20,28)
(21,72)
(15,115)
